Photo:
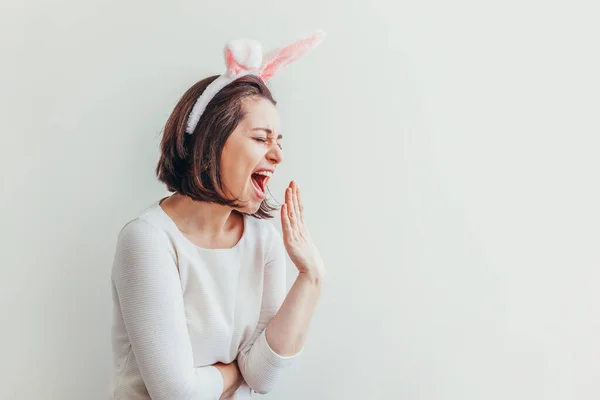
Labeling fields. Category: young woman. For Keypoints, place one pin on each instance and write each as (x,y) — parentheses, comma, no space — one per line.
(199,288)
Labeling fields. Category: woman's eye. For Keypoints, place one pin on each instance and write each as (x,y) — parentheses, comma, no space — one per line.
(265,140)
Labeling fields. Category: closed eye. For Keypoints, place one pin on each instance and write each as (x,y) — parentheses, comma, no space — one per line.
(265,140)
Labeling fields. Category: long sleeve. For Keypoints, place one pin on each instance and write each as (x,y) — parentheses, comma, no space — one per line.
(147,284)
(259,364)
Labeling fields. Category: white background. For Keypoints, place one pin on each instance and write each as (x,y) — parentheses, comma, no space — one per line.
(447,151)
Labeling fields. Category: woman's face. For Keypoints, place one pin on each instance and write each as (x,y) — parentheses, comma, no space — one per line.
(251,154)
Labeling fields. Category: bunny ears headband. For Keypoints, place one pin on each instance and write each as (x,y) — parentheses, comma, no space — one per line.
(244,57)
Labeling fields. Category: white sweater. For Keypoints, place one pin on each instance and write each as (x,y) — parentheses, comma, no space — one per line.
(179,308)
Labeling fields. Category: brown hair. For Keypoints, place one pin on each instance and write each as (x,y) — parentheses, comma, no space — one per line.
(190,164)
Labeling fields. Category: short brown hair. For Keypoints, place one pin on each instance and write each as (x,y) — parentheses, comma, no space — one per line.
(190,164)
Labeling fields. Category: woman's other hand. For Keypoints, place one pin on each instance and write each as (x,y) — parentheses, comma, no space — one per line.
(232,379)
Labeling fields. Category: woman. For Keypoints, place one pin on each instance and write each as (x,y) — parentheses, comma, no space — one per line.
(199,289)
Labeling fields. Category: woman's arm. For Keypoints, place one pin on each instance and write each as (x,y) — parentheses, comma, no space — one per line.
(286,318)
(286,333)
(147,284)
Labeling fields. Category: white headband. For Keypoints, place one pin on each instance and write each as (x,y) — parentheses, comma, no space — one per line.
(245,57)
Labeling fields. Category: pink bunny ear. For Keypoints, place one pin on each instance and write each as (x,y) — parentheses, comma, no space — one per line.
(288,54)
(242,55)
(232,66)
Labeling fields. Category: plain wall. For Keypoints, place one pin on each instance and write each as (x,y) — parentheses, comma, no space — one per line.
(448,156)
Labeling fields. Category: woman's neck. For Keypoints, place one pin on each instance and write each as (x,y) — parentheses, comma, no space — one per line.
(207,221)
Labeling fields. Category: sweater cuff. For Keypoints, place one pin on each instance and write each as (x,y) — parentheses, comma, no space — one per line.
(211,380)
(270,356)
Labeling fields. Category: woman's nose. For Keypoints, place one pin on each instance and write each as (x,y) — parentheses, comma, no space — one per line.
(275,155)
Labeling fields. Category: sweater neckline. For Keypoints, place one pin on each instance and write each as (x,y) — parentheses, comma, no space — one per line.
(174,226)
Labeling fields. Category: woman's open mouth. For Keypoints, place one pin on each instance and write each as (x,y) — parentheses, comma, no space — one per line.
(259,181)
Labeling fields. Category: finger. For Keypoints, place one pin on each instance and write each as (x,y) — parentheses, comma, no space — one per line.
(291,212)
(295,199)
(300,205)
(285,221)
(297,206)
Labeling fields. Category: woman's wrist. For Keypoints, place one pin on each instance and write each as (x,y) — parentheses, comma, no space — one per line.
(313,278)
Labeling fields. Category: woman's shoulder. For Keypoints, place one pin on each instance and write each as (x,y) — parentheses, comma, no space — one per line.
(265,235)
(148,226)
(263,228)
(142,244)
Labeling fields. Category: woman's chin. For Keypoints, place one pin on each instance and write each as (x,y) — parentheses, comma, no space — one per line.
(251,207)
